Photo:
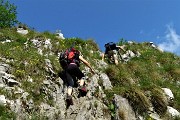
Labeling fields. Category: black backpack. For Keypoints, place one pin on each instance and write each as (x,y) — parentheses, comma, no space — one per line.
(68,56)
(110,46)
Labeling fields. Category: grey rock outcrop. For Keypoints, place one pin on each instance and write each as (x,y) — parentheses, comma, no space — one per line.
(123,109)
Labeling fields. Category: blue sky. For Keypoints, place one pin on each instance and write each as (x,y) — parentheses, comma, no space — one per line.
(104,21)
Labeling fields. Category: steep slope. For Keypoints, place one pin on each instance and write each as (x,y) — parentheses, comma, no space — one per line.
(32,85)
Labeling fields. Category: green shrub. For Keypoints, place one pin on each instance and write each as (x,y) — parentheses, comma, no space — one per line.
(7,14)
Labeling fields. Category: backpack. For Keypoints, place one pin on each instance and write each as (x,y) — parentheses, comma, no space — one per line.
(69,56)
(110,46)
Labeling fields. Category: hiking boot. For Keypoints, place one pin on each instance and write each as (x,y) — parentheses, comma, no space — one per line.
(69,100)
(82,91)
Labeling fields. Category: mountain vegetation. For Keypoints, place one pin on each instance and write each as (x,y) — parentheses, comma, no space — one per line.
(8,13)
(140,80)
(32,84)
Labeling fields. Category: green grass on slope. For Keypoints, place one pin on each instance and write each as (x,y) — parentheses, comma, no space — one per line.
(136,80)
(145,74)
(26,62)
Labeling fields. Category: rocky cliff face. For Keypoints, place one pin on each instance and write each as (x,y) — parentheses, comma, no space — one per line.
(47,101)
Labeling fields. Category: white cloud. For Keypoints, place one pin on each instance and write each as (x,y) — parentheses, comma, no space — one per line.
(171,41)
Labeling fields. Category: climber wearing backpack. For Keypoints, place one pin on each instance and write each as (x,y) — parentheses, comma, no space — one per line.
(111,52)
(70,62)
